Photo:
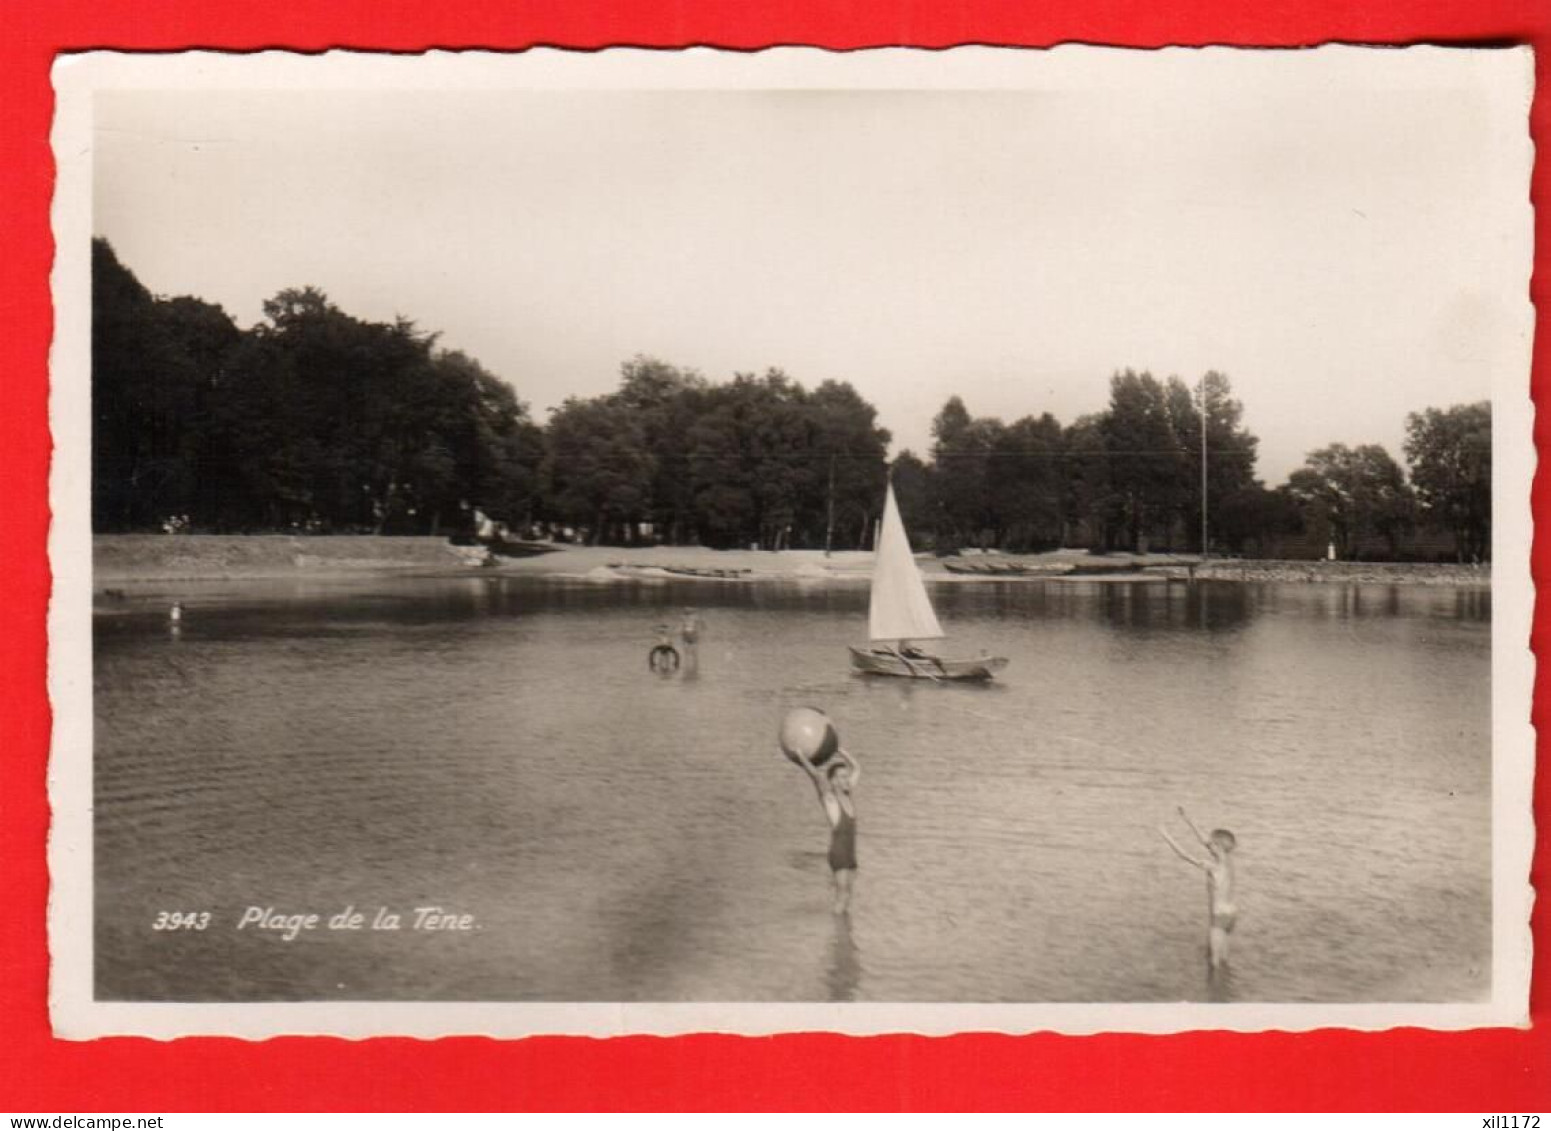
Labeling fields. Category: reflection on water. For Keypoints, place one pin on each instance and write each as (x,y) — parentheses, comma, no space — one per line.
(1148,605)
(496,746)
(845,962)
(1219,982)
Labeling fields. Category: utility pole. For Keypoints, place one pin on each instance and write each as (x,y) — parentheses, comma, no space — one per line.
(1204,542)
(829,527)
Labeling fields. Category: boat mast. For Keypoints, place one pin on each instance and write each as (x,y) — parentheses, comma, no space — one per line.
(1203,467)
(829,525)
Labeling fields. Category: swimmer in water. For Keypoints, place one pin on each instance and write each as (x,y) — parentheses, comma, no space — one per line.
(1222,912)
(836,783)
(691,627)
(664,657)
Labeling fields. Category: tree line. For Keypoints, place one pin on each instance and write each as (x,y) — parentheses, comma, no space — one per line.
(314,420)
(1134,477)
(310,420)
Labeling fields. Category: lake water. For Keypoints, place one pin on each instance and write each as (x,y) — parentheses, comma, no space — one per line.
(496,747)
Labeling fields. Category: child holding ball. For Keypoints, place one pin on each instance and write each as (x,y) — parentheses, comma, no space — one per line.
(810,739)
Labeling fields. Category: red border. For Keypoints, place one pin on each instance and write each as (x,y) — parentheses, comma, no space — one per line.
(1498,1070)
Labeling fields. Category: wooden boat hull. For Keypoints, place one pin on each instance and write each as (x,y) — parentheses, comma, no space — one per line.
(885,661)
(1007,569)
(984,569)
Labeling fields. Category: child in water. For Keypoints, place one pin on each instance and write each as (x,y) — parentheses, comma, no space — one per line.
(836,782)
(1222,913)
(691,627)
(664,657)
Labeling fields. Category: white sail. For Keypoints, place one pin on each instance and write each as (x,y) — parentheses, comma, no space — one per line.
(900,608)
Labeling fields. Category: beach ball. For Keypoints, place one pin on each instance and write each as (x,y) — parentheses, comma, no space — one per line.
(808,735)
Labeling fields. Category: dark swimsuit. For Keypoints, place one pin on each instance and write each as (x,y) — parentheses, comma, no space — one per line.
(842,843)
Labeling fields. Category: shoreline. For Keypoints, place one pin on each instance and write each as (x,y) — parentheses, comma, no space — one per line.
(120,560)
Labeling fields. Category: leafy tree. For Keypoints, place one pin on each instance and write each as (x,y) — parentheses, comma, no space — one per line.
(913,491)
(1254,516)
(1450,453)
(155,366)
(599,466)
(1354,494)
(961,453)
(496,448)
(354,438)
(848,455)
(1145,456)
(779,437)
(1231,488)
(312,420)
(665,400)
(1088,498)
(752,468)
(1027,483)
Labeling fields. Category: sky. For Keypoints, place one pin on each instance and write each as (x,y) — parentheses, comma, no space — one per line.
(1348,244)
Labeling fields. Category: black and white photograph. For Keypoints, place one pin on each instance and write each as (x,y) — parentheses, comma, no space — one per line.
(899,541)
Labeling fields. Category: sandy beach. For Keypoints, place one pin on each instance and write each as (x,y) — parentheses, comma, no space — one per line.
(124,560)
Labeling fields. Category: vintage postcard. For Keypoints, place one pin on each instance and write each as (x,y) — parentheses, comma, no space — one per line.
(899,541)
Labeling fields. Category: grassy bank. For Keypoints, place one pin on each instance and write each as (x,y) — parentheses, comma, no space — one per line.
(120,559)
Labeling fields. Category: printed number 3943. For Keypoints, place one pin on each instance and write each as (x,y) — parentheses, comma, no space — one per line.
(181,921)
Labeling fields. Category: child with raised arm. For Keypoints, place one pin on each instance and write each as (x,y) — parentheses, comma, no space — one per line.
(1222,913)
(835,782)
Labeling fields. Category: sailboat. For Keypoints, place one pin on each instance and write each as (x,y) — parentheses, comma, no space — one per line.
(901,613)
